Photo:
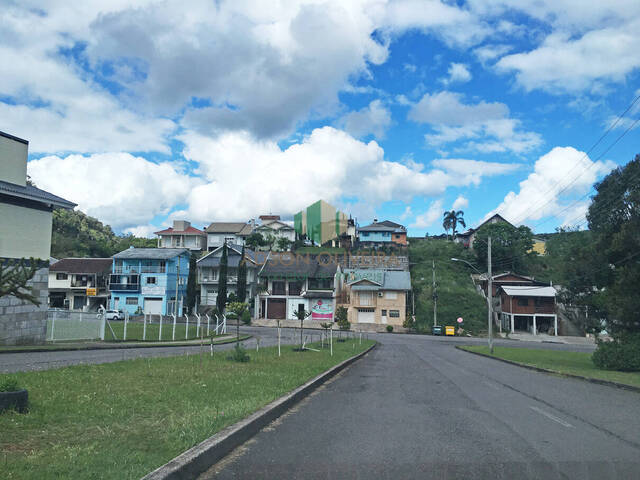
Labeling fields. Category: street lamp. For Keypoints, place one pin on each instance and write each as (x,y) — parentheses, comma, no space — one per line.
(489,292)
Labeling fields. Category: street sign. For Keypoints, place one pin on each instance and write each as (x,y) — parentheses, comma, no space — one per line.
(92,292)
(460,320)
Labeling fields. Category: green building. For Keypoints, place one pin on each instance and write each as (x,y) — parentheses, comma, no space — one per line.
(321,222)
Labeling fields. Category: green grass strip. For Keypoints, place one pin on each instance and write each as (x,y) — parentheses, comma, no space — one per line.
(124,419)
(560,361)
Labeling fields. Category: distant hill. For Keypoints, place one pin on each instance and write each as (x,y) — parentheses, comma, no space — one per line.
(457,296)
(75,234)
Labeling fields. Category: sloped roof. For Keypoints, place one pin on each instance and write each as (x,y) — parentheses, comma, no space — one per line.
(239,228)
(528,291)
(387,279)
(188,231)
(30,192)
(273,225)
(233,257)
(386,226)
(151,253)
(82,265)
(288,264)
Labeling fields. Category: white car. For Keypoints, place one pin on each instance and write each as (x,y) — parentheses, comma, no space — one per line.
(113,315)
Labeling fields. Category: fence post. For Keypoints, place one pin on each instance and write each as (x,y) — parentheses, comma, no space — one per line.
(103,324)
(217,322)
(144,327)
(186,330)
(160,329)
(173,336)
(126,321)
(198,325)
(208,320)
(53,324)
(224,323)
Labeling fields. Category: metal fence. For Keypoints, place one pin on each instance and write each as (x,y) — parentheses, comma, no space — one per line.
(66,325)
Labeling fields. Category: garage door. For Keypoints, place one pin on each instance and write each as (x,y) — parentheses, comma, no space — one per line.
(366,315)
(153,305)
(277,308)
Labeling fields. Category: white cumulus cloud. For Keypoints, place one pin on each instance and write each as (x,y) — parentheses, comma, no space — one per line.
(374,119)
(426,219)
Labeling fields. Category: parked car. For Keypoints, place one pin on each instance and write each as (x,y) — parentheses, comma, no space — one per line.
(113,315)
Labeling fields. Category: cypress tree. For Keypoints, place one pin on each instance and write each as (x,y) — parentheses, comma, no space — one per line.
(242,278)
(191,284)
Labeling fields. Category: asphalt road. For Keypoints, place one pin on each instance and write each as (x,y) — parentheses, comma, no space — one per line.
(15,362)
(416,407)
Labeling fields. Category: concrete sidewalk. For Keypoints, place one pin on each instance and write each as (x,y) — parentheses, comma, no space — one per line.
(543,337)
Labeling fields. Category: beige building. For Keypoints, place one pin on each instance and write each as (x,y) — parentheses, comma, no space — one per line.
(25,233)
(375,298)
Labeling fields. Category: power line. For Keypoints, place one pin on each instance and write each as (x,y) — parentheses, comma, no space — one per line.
(611,127)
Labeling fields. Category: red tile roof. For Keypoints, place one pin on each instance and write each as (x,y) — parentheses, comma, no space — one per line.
(188,231)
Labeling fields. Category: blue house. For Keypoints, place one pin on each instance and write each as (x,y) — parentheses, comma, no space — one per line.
(383,233)
(150,280)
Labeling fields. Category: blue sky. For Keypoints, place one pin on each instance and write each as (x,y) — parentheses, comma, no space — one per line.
(392,110)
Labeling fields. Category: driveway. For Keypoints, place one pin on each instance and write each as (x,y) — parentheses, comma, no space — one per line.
(416,407)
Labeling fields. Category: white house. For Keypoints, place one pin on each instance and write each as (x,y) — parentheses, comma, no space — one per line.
(182,235)
(219,233)
(277,229)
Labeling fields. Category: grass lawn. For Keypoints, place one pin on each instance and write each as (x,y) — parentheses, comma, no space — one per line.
(575,363)
(124,419)
(135,331)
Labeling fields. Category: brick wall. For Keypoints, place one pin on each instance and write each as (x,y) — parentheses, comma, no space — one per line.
(22,323)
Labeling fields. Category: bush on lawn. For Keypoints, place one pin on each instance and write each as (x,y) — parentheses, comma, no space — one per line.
(621,354)
(9,384)
(389,328)
(246,317)
(239,354)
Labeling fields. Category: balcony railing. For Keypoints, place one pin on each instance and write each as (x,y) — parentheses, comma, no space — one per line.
(136,270)
(128,287)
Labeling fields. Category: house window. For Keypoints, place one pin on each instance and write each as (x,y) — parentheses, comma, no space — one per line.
(391,295)
(321,284)
(132,300)
(61,276)
(384,313)
(394,313)
(523,302)
(151,280)
(278,288)
(295,288)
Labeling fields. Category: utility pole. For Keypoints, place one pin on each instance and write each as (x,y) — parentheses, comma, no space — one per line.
(435,296)
(490,297)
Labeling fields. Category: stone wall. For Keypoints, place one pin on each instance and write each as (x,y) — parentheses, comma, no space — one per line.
(22,323)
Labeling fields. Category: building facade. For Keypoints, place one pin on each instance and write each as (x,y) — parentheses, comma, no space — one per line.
(529,309)
(80,284)
(209,274)
(182,235)
(375,298)
(290,283)
(276,229)
(321,223)
(150,280)
(25,233)
(234,233)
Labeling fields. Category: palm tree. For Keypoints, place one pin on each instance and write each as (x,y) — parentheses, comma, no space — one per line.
(451,221)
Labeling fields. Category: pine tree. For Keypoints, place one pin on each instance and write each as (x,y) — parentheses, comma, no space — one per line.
(221,300)
(191,284)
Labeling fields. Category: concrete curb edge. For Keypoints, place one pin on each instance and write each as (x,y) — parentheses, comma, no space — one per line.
(609,383)
(199,458)
(118,346)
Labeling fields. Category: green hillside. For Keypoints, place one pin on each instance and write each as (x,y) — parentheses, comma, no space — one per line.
(75,234)
(457,296)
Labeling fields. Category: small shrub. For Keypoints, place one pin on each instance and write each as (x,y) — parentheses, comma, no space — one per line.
(239,354)
(389,328)
(622,355)
(9,384)
(246,317)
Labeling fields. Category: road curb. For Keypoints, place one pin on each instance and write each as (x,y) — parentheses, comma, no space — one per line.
(119,346)
(198,459)
(554,372)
